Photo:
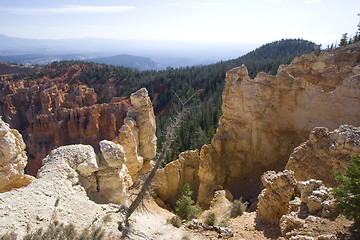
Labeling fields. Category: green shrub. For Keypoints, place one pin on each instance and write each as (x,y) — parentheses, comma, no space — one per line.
(237,208)
(347,194)
(223,224)
(185,207)
(210,219)
(175,221)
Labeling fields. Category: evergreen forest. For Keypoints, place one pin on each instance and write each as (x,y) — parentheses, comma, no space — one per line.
(204,111)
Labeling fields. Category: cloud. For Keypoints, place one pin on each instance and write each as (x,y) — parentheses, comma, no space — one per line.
(67,9)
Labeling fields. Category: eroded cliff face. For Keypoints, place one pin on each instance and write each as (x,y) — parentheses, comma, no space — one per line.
(325,153)
(64,126)
(169,181)
(265,118)
(54,111)
(12,159)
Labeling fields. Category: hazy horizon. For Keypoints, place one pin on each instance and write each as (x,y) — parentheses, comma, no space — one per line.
(198,21)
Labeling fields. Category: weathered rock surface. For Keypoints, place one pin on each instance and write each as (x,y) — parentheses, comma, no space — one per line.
(265,118)
(86,125)
(113,179)
(274,200)
(52,111)
(220,206)
(300,208)
(169,181)
(143,114)
(59,194)
(12,159)
(325,153)
(137,135)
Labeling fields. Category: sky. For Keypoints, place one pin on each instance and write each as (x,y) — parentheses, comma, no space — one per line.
(214,21)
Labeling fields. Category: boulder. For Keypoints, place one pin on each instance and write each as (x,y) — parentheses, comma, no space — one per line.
(280,189)
(70,162)
(113,154)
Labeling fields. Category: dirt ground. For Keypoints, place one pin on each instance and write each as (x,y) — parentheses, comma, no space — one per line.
(244,227)
(153,223)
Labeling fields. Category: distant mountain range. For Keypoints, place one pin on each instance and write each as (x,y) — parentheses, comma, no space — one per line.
(40,59)
(141,63)
(135,62)
(154,54)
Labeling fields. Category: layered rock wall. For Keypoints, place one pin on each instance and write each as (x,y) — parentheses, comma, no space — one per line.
(64,126)
(265,118)
(53,111)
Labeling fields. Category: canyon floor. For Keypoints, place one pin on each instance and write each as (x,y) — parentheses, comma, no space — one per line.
(153,223)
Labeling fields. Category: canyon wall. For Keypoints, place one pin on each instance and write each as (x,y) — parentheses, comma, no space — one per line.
(77,185)
(265,118)
(54,111)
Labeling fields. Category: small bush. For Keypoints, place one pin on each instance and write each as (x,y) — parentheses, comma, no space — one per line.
(223,224)
(107,218)
(58,231)
(210,219)
(237,208)
(186,237)
(185,207)
(347,194)
(175,221)
(9,236)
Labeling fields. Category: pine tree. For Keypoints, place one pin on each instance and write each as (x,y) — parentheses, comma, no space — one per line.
(344,40)
(347,194)
(185,207)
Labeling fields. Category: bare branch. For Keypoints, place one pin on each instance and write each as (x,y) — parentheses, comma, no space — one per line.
(196,93)
(182,104)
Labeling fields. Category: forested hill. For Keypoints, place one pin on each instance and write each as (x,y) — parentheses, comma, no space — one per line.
(199,126)
(268,57)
